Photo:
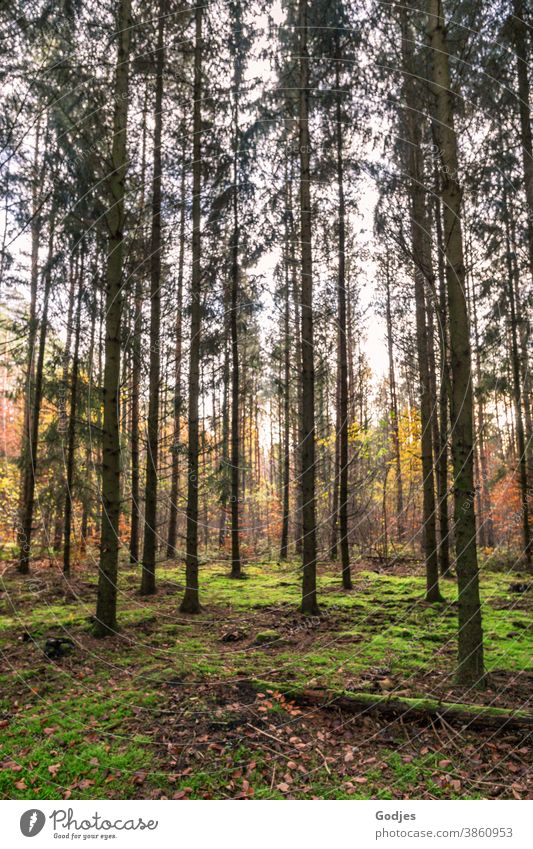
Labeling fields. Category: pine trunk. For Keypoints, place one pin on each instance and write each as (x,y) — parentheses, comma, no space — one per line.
(191,599)
(150,517)
(106,606)
(470,649)
(309,597)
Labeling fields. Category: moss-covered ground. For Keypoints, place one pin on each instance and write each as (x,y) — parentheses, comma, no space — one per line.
(168,707)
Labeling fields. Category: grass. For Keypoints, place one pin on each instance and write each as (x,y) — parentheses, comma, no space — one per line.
(91,724)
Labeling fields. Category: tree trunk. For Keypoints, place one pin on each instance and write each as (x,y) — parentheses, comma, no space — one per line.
(150,509)
(176,438)
(444,396)
(512,286)
(333,539)
(470,650)
(234,327)
(72,424)
(286,463)
(191,600)
(29,388)
(106,606)
(25,527)
(394,414)
(136,362)
(309,597)
(342,340)
(422,273)
(524,100)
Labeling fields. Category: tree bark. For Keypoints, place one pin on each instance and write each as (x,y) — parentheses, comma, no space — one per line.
(394,412)
(470,669)
(422,276)
(136,362)
(234,308)
(342,338)
(25,527)
(72,424)
(191,599)
(286,461)
(148,586)
(309,597)
(106,606)
(442,461)
(512,287)
(178,401)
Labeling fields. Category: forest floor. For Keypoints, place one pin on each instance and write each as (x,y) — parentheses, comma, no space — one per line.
(171,706)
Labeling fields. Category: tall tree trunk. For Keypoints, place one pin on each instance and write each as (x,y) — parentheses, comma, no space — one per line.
(224,460)
(444,397)
(342,338)
(234,308)
(72,424)
(298,530)
(512,287)
(150,510)
(524,101)
(191,600)
(488,528)
(286,461)
(33,324)
(106,605)
(136,362)
(333,539)
(470,650)
(178,402)
(422,273)
(25,527)
(309,597)
(394,413)
(63,416)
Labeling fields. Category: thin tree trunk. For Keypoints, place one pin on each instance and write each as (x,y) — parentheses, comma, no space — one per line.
(176,439)
(33,324)
(72,425)
(150,517)
(224,460)
(512,288)
(106,606)
(63,418)
(422,272)
(336,476)
(234,327)
(136,359)
(286,463)
(524,101)
(444,394)
(342,340)
(395,422)
(470,649)
(298,534)
(309,597)
(191,600)
(25,528)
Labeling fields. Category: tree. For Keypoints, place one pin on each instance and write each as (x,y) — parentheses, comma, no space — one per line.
(191,600)
(72,422)
(106,606)
(470,669)
(423,276)
(309,598)
(150,510)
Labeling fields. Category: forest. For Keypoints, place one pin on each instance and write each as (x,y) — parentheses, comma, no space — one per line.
(266,475)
